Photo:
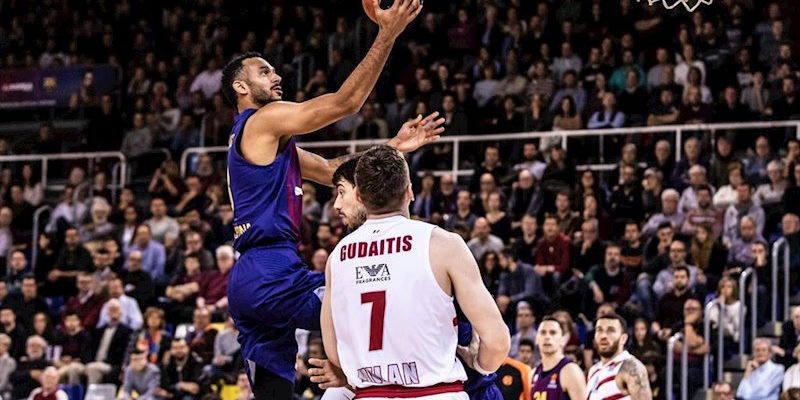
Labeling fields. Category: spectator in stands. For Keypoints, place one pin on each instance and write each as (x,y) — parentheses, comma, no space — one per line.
(745,206)
(536,118)
(518,282)
(139,140)
(626,199)
(483,240)
(722,391)
(87,303)
(153,253)
(141,377)
(669,311)
(99,226)
(424,206)
(571,90)
(790,338)
(618,79)
(525,244)
(568,220)
(728,296)
(694,111)
(202,335)
(208,81)
(697,178)
(226,354)
(677,257)
(559,174)
(109,344)
(499,220)
(180,375)
(633,99)
(15,332)
(762,377)
(29,368)
(689,61)
(568,61)
(653,186)
(756,97)
(491,165)
(756,167)
(588,249)
(741,247)
(138,284)
(664,161)
(692,328)
(695,81)
(525,328)
(669,213)
(17,271)
(607,279)
(463,216)
(632,249)
(7,365)
(644,345)
(446,197)
(161,225)
(213,293)
(49,388)
(552,252)
(707,252)
(722,159)
(194,198)
(792,377)
(610,117)
(485,88)
(152,339)
(702,213)
(28,303)
(726,195)
(132,314)
(66,213)
(656,74)
(194,245)
(731,109)
(184,288)
(167,183)
(567,117)
(76,350)
(771,193)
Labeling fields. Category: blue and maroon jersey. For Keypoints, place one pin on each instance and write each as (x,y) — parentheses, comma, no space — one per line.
(546,385)
(266,200)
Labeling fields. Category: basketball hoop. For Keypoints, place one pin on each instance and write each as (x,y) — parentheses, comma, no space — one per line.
(670,4)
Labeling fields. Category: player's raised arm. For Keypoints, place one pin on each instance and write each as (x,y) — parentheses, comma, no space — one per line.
(450,251)
(282,118)
(412,135)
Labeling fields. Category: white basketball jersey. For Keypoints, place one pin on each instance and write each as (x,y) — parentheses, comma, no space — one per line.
(394,324)
(602,383)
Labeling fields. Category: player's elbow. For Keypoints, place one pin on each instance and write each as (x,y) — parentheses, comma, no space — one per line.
(497,344)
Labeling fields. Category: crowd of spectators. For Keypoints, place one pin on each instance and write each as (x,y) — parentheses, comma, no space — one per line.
(129,285)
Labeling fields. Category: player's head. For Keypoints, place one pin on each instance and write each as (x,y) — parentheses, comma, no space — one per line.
(382,181)
(610,335)
(350,210)
(550,337)
(250,76)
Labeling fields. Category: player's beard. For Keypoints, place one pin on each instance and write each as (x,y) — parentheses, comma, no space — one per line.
(358,219)
(612,350)
(260,96)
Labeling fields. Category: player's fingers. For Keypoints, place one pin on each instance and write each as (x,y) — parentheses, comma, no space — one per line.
(317,362)
(430,117)
(402,5)
(432,138)
(376,5)
(438,122)
(414,14)
(413,5)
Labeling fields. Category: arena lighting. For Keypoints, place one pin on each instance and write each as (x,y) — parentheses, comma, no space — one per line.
(670,4)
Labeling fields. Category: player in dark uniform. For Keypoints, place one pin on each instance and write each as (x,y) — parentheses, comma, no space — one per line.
(556,377)
(270,291)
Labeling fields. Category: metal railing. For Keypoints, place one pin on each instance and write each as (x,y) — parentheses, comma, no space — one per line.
(44,159)
(677,130)
(753,307)
(720,340)
(35,240)
(780,244)
(671,366)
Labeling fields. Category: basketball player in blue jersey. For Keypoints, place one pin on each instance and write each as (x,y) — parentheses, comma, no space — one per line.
(556,377)
(270,291)
(354,214)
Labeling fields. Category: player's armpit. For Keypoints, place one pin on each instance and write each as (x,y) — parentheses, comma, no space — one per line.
(448,250)
(634,376)
(318,169)
(573,381)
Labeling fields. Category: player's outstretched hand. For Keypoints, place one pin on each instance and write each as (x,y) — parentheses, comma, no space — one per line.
(326,374)
(469,352)
(398,16)
(418,132)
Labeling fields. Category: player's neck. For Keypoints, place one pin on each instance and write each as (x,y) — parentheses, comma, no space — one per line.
(388,215)
(245,104)
(550,361)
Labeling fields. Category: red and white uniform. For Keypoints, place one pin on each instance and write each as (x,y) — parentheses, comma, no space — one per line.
(395,327)
(602,383)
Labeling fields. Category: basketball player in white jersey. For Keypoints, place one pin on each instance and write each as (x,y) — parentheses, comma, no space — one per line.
(388,317)
(618,375)
(557,377)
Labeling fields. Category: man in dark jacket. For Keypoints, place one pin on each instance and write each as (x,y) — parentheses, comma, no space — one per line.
(109,344)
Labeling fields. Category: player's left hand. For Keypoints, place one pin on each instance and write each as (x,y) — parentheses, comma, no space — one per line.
(418,132)
(326,374)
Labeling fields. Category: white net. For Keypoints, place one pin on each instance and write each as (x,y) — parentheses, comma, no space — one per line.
(690,5)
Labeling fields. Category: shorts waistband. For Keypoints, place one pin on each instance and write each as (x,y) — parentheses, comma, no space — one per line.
(404,392)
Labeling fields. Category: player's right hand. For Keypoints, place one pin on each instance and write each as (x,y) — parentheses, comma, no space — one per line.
(326,374)
(394,20)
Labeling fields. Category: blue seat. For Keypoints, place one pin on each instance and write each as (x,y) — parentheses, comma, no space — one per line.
(74,392)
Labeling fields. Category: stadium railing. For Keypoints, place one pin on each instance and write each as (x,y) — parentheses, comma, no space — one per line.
(118,180)
(678,337)
(780,244)
(718,358)
(748,273)
(678,132)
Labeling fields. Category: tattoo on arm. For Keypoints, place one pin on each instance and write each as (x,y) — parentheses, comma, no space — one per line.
(637,382)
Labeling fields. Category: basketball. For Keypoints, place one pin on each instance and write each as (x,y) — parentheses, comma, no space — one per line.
(385,4)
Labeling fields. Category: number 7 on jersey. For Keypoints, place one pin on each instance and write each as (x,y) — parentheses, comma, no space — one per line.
(378,300)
